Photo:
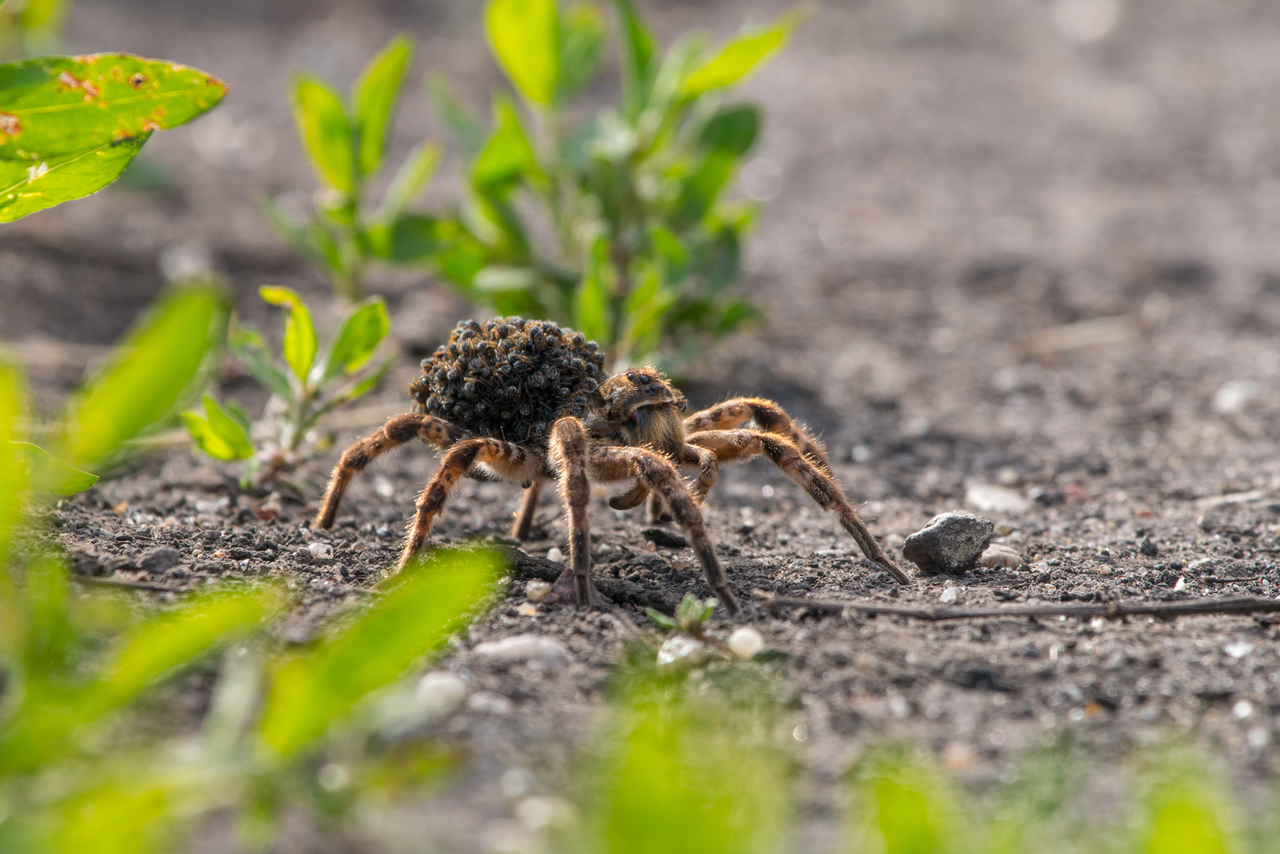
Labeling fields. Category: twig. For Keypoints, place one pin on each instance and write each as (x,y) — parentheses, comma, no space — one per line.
(1209,579)
(1109,610)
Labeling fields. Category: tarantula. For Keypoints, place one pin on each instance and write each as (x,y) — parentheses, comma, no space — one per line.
(527,402)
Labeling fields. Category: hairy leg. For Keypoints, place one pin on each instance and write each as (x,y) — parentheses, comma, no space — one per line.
(524,516)
(569,448)
(659,474)
(396,432)
(767,415)
(815,480)
(506,460)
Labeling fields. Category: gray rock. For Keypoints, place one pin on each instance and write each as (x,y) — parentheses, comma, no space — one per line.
(664,539)
(951,542)
(160,559)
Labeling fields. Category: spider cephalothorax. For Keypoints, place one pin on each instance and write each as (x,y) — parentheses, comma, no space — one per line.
(527,401)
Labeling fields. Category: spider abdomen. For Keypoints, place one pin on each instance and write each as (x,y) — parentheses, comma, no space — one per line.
(509,378)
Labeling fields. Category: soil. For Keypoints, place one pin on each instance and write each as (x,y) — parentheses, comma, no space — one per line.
(1005,268)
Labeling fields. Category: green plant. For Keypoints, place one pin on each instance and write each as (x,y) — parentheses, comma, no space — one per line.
(305,383)
(70,125)
(645,249)
(347,143)
(691,616)
(30,26)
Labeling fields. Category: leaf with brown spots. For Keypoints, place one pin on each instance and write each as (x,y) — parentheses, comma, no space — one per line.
(29,186)
(56,105)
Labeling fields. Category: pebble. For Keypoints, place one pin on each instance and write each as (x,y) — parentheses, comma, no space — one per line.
(950,596)
(490,703)
(545,812)
(1148,548)
(539,651)
(951,542)
(680,651)
(555,555)
(323,551)
(1180,585)
(159,559)
(1001,556)
(745,643)
(1239,649)
(991,498)
(439,692)
(536,591)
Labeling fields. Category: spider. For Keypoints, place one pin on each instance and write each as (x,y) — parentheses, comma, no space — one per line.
(527,402)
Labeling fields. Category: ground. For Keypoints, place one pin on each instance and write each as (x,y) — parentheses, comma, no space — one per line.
(1019,259)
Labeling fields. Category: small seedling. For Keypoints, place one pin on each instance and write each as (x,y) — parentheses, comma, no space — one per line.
(690,617)
(346,143)
(305,384)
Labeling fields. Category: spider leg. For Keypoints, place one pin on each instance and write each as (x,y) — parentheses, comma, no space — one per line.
(507,460)
(630,498)
(568,448)
(661,477)
(767,415)
(524,516)
(815,480)
(396,432)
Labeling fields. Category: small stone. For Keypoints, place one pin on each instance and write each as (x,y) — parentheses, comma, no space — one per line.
(1239,649)
(527,609)
(1148,548)
(951,542)
(1001,556)
(950,596)
(680,651)
(662,538)
(1242,710)
(1235,396)
(536,591)
(440,693)
(159,559)
(545,812)
(1180,585)
(555,555)
(745,643)
(320,551)
(540,652)
(991,498)
(490,703)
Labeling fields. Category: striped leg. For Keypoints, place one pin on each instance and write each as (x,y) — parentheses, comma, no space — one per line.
(569,459)
(396,432)
(815,480)
(767,415)
(508,461)
(657,473)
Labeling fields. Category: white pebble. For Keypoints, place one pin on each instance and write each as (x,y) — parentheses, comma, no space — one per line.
(1242,710)
(1239,649)
(680,651)
(950,596)
(555,555)
(490,703)
(746,643)
(440,692)
(536,591)
(1180,585)
(323,551)
(540,652)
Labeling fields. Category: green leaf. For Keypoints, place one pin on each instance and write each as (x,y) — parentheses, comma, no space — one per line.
(413,175)
(316,689)
(352,392)
(702,187)
(57,105)
(739,58)
(13,473)
(375,101)
(591,302)
(507,156)
(44,15)
(361,333)
(326,132)
(299,334)
(251,349)
(47,474)
(660,619)
(525,39)
(27,187)
(732,130)
(286,229)
(147,377)
(465,127)
(220,434)
(635,44)
(582,32)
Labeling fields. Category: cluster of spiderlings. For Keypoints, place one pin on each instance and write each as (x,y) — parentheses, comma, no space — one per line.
(509,377)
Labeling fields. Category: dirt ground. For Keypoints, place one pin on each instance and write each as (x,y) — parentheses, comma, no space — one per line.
(1016,258)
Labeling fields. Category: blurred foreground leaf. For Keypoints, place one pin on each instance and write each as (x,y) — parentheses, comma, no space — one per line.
(47,474)
(148,377)
(27,187)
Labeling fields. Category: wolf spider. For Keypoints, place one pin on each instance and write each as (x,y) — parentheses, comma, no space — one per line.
(627,428)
